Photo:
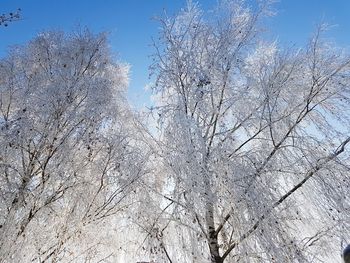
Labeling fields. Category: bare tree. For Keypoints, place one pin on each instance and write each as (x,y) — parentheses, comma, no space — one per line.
(253,140)
(5,19)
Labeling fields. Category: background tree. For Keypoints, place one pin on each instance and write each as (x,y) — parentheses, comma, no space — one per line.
(69,154)
(253,141)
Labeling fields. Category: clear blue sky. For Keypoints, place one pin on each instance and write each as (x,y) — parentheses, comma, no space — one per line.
(131,27)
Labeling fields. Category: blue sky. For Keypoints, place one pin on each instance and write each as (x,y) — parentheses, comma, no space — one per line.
(131,27)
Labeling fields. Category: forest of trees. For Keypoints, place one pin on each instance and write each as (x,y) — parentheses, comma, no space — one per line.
(244,156)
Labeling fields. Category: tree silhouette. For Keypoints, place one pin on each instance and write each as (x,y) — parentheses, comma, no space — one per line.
(10,17)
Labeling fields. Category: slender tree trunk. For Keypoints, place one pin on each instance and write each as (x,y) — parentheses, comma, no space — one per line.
(212,236)
(210,222)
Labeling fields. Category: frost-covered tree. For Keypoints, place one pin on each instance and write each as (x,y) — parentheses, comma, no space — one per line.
(253,151)
(69,155)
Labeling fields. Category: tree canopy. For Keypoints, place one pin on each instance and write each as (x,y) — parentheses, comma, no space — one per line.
(244,156)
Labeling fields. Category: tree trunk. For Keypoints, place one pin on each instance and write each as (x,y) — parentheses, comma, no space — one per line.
(212,236)
(210,222)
